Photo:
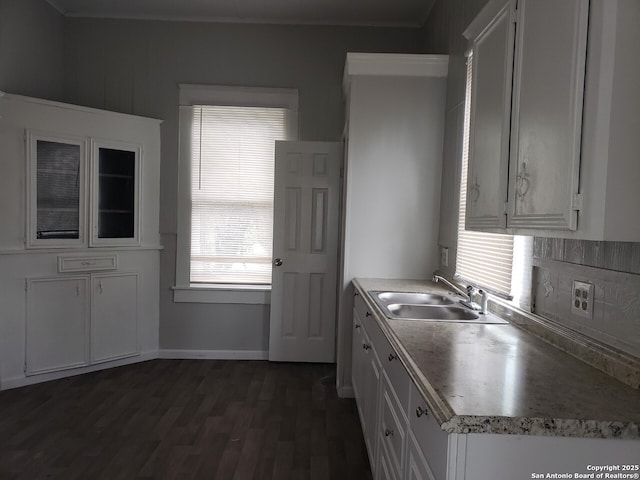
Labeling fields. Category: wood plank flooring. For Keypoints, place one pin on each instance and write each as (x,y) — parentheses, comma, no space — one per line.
(184,419)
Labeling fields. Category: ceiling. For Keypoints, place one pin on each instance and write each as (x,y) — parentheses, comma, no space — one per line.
(402,13)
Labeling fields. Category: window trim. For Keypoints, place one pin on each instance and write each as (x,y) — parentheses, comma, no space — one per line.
(190,95)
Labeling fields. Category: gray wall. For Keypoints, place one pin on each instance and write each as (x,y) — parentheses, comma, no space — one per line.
(136,66)
(617,316)
(31,49)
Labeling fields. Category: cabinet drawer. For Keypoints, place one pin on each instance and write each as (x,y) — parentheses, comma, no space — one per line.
(392,427)
(429,436)
(87,263)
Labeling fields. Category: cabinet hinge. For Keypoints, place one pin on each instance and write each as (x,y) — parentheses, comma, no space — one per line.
(514,14)
(576,203)
(26,285)
(506,208)
(25,367)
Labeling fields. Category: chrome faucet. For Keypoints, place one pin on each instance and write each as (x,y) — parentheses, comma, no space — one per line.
(466,295)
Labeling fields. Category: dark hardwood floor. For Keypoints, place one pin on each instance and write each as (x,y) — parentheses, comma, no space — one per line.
(184,419)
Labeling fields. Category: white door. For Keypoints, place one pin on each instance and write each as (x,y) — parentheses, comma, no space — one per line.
(305,247)
(547,113)
(57,324)
(114,320)
(489,133)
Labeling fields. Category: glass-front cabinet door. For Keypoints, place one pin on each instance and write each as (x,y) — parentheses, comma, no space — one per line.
(115,198)
(60,194)
(56,189)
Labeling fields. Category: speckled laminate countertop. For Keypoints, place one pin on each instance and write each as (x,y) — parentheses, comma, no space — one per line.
(480,378)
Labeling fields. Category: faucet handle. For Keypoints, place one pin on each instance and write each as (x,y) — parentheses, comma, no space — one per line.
(484,302)
(470,290)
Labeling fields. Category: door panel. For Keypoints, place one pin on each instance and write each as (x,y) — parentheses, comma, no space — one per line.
(489,132)
(547,113)
(57,330)
(305,245)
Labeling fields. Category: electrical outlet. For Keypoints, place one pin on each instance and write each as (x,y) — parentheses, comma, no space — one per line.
(444,256)
(582,299)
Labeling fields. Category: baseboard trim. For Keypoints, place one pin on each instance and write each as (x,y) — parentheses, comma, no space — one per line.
(23,381)
(346,392)
(214,354)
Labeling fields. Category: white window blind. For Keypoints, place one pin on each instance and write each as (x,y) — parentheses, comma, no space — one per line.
(232,172)
(484,259)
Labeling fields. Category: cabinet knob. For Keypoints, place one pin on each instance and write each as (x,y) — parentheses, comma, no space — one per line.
(366,346)
(392,357)
(355,294)
(420,411)
(277,262)
(368,314)
(357,326)
(388,432)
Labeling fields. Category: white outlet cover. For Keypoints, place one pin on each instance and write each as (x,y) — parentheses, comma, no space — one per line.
(444,256)
(582,299)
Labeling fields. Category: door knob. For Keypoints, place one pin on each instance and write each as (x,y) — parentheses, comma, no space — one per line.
(277,262)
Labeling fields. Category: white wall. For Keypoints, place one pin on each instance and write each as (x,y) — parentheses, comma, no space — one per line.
(136,66)
(31,49)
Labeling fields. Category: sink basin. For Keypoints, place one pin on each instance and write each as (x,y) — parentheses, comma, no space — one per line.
(430,312)
(439,313)
(411,298)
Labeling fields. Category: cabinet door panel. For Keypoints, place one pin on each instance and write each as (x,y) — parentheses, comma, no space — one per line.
(489,132)
(56,185)
(57,333)
(417,466)
(547,113)
(116,191)
(114,320)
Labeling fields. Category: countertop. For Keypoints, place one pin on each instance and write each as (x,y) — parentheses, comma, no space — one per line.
(482,378)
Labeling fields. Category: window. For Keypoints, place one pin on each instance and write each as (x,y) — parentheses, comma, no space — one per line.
(227,146)
(499,263)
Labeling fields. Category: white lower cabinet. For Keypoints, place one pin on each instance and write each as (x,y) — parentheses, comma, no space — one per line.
(57,329)
(366,383)
(77,321)
(405,441)
(114,316)
(417,466)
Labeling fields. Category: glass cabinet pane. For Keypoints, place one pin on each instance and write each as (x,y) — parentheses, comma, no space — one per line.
(116,193)
(58,189)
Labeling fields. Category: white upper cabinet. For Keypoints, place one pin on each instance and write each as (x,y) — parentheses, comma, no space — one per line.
(546,119)
(562,77)
(59,194)
(91,176)
(490,113)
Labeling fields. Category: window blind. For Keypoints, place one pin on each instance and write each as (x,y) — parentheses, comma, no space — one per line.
(232,174)
(484,259)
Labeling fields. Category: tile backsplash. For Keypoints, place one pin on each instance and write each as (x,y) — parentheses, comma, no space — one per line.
(613,268)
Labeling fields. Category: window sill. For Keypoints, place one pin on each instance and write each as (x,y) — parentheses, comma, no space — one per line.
(235,294)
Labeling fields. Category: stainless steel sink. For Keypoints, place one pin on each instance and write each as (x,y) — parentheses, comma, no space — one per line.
(430,312)
(410,298)
(428,307)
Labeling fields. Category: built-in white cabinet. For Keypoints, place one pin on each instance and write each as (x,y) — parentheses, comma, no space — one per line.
(551,144)
(69,176)
(79,243)
(80,320)
(395,109)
